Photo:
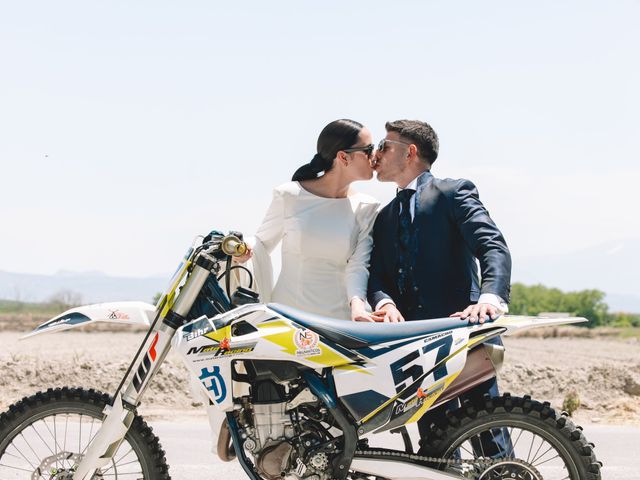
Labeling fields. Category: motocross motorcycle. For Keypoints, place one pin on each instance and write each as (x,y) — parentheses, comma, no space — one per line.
(302,394)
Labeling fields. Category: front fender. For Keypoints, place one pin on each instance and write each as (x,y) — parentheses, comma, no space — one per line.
(124,313)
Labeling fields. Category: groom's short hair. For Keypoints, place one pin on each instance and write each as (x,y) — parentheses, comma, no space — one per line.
(421,134)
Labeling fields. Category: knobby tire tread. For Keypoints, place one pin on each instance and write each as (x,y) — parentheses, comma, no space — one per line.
(20,411)
(442,435)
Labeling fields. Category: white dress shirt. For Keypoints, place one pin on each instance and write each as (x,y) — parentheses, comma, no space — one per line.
(489,298)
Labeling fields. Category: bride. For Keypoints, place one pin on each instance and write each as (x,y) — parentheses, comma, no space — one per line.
(324,226)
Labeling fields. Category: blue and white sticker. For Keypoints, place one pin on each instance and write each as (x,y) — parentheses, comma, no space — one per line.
(212,380)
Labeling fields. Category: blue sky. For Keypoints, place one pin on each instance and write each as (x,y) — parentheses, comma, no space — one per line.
(126,128)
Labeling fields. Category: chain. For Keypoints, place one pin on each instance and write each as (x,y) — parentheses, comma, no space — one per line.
(481,462)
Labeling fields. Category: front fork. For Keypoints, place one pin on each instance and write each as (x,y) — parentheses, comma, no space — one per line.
(119,416)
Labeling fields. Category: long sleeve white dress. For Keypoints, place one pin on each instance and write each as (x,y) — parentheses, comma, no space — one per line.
(326,243)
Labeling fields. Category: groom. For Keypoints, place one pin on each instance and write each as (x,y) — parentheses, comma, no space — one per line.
(426,241)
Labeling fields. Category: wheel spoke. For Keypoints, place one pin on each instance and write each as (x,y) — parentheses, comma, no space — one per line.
(548,460)
(15,468)
(29,445)
(22,455)
(541,456)
(55,437)
(118,475)
(128,463)
(89,443)
(115,463)
(520,448)
(513,446)
(66,424)
(40,437)
(466,450)
(481,447)
(535,455)
(53,434)
(493,437)
(533,441)
(49,440)
(11,454)
(91,431)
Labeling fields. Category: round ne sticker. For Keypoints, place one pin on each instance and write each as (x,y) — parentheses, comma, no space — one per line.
(307,342)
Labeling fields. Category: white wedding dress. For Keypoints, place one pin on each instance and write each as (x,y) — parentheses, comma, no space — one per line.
(326,243)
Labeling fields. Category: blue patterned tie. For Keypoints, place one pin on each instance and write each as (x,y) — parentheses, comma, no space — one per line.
(405,235)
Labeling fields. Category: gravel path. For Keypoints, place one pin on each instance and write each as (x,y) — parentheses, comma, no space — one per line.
(604,373)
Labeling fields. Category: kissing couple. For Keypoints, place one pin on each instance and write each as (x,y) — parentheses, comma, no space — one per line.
(413,259)
(416,258)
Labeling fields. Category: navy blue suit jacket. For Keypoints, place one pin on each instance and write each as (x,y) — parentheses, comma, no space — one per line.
(453,229)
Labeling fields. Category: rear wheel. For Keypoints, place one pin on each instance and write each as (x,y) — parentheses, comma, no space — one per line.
(46,435)
(535,442)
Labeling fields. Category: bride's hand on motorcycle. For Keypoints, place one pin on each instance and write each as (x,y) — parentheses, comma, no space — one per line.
(364,317)
(244,258)
(359,312)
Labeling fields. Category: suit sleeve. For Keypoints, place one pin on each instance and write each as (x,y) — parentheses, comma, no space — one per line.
(376,288)
(483,239)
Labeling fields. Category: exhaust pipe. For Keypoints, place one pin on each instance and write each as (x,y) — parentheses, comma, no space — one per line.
(226,452)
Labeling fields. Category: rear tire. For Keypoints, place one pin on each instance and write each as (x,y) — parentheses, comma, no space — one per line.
(44,433)
(536,420)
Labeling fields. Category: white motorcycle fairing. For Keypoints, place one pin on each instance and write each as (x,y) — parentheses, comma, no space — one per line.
(402,377)
(124,313)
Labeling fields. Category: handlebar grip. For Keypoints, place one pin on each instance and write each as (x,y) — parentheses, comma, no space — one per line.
(232,245)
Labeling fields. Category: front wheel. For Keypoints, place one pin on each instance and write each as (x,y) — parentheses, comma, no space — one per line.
(514,438)
(45,436)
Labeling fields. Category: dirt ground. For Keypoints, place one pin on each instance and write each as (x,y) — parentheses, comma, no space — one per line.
(604,373)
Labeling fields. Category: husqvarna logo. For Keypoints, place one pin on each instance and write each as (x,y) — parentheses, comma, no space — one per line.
(212,380)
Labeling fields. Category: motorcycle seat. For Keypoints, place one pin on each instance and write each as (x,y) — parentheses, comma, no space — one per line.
(356,335)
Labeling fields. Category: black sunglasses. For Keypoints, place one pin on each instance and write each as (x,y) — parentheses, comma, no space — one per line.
(368,149)
(383,143)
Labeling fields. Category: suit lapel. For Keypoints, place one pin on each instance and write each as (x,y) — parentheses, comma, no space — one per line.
(424,179)
(392,219)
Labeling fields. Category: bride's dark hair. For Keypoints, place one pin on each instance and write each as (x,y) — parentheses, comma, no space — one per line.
(336,136)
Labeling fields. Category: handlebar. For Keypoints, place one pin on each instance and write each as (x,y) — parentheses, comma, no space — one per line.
(233,246)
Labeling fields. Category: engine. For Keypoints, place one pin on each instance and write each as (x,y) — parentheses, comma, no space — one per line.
(280,446)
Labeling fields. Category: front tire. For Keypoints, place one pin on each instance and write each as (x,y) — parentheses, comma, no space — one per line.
(46,434)
(544,444)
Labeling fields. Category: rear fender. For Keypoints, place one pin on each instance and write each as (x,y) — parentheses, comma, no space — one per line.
(123,313)
(514,323)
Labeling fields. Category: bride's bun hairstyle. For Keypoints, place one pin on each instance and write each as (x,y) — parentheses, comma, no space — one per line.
(338,135)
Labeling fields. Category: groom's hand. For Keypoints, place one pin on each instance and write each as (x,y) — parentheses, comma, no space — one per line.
(391,313)
(478,312)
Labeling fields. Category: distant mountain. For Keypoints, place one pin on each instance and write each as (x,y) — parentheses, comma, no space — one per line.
(93,287)
(613,267)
